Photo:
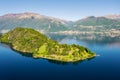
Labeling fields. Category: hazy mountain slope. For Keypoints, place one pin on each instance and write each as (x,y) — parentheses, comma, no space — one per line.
(96,24)
(32,20)
(49,24)
(113,16)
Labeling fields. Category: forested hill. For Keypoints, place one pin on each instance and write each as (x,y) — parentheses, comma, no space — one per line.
(29,41)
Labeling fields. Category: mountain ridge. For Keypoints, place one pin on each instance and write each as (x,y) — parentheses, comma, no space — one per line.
(109,16)
(112,16)
(33,20)
(45,24)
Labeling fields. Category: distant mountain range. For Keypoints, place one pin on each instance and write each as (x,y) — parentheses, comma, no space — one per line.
(92,23)
(113,16)
(32,20)
(49,24)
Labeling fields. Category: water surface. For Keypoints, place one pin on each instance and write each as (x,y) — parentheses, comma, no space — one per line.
(106,66)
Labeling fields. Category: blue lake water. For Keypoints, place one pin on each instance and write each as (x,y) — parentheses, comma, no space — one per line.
(106,66)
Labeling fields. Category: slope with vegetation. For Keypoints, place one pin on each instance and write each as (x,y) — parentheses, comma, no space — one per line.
(97,24)
(32,20)
(29,41)
(47,24)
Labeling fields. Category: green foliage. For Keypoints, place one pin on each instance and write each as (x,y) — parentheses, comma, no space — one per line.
(4,38)
(43,49)
(30,41)
(24,39)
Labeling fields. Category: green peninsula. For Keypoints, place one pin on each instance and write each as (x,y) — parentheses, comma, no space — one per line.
(29,41)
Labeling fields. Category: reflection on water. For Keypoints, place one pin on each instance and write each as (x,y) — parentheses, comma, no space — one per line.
(51,61)
(95,44)
(86,39)
(14,66)
(66,63)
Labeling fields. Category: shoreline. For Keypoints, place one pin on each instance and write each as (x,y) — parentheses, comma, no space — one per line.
(49,57)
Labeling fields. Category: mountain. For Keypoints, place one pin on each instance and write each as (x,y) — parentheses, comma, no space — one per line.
(29,41)
(32,20)
(93,23)
(46,24)
(113,16)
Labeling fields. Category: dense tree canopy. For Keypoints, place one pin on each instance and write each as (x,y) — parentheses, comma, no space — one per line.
(27,40)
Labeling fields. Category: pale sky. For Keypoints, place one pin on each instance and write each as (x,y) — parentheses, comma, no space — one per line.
(63,9)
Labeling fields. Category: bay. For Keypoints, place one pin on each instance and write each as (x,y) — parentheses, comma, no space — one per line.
(106,65)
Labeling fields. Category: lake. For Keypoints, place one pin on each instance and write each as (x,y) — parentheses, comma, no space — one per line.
(105,66)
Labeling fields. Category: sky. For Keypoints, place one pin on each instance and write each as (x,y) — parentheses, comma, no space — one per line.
(63,9)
